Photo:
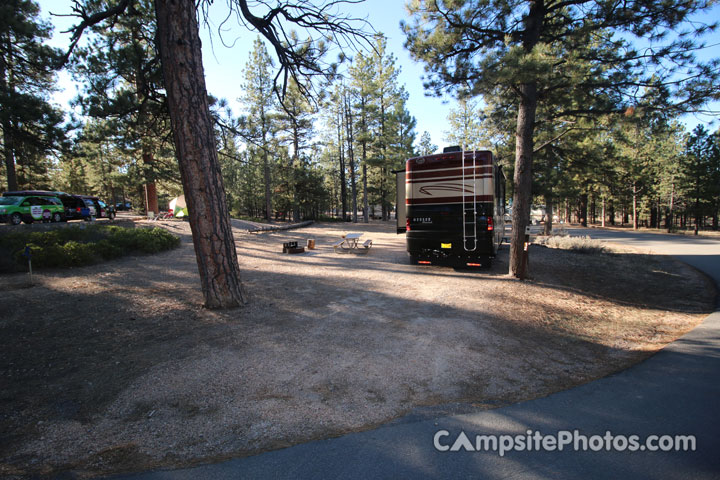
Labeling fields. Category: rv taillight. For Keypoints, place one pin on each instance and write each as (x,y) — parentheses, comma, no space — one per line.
(490,224)
(474,264)
(424,262)
(407,224)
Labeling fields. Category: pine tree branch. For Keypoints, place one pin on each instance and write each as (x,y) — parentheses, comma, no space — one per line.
(88,20)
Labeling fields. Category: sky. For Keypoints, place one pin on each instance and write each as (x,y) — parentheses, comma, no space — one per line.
(224,65)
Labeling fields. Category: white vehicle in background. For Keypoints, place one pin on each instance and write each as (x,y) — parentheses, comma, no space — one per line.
(537,214)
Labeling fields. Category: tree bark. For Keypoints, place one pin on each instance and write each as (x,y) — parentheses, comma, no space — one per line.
(523,175)
(181,57)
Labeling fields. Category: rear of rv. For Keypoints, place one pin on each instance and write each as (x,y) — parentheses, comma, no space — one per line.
(452,208)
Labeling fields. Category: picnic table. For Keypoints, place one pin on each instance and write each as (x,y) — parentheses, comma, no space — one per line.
(351,243)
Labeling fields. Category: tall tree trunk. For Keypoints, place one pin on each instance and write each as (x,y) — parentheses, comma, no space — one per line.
(151,198)
(192,125)
(141,91)
(366,200)
(383,206)
(366,206)
(293,177)
(267,178)
(351,159)
(583,210)
(697,205)
(603,211)
(548,215)
(634,206)
(567,211)
(671,208)
(383,149)
(343,182)
(523,175)
(9,156)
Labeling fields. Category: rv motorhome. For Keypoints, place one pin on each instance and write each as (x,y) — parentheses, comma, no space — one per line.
(451,207)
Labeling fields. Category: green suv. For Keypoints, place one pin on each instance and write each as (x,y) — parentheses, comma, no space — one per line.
(30,208)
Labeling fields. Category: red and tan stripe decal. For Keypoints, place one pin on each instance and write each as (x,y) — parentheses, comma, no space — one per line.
(449,172)
(444,200)
(468,179)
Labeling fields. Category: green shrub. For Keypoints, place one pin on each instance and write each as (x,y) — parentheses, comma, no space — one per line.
(75,254)
(108,250)
(80,245)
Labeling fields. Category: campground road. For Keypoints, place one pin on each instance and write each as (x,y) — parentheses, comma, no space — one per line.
(675,392)
(701,252)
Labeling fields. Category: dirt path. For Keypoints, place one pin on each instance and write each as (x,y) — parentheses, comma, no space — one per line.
(115,368)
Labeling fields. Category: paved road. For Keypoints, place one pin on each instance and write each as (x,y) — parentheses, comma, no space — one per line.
(676,392)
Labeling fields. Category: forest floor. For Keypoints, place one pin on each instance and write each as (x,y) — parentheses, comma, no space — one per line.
(117,368)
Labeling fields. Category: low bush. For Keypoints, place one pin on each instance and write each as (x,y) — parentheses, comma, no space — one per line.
(574,244)
(80,245)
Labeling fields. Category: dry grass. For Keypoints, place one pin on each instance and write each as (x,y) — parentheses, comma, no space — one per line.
(577,244)
(115,367)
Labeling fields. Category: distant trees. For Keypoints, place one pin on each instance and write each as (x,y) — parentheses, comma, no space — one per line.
(31,126)
(464,124)
(700,175)
(372,132)
(426,147)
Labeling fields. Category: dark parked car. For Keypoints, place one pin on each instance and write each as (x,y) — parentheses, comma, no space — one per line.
(98,208)
(123,206)
(75,207)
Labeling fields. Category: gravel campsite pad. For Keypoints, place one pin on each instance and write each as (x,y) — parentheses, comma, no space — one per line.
(116,367)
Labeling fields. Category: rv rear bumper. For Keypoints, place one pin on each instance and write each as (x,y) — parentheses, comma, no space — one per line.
(442,245)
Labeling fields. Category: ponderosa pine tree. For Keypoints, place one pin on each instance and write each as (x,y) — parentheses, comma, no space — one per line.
(362,91)
(260,101)
(464,124)
(296,121)
(31,126)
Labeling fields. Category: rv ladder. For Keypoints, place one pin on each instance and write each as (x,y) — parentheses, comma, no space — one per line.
(469,208)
